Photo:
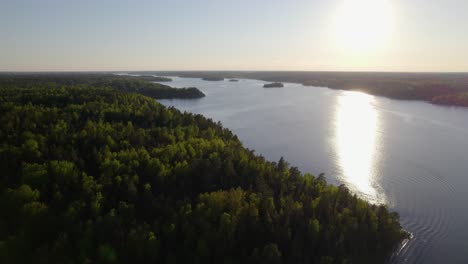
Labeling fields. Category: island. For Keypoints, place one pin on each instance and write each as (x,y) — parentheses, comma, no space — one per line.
(95,171)
(233,80)
(273,85)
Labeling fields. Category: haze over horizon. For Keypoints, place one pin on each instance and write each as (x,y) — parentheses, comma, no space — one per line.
(337,35)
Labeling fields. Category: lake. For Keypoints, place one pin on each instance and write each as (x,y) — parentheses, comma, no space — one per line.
(410,155)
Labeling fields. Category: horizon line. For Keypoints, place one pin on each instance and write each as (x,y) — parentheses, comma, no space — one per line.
(304,71)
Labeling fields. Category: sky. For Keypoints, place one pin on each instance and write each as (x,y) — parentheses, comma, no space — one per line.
(292,35)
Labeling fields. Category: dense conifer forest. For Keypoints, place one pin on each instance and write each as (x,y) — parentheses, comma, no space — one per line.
(143,84)
(92,172)
(273,85)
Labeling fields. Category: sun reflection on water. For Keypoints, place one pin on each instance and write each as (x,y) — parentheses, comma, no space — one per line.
(356,144)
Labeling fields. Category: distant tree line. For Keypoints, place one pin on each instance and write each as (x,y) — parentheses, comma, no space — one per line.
(273,85)
(437,88)
(139,84)
(154,78)
(457,99)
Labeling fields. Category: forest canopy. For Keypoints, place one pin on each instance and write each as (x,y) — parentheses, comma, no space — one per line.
(273,85)
(95,173)
(144,84)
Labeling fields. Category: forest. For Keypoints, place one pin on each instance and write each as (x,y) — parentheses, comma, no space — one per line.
(143,84)
(154,78)
(457,99)
(273,85)
(94,171)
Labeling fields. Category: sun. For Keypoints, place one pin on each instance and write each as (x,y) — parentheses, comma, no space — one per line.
(363,25)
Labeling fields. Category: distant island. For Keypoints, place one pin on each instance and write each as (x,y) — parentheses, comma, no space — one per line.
(233,80)
(436,88)
(273,85)
(213,79)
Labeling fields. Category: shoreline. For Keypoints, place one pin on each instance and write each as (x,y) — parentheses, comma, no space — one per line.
(342,89)
(442,89)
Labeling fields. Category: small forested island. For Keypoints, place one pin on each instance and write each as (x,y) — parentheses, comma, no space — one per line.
(93,171)
(233,80)
(273,85)
(213,79)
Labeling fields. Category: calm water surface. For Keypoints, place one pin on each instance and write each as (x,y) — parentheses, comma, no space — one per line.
(412,156)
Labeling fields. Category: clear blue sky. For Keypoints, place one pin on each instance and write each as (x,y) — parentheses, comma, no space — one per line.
(50,35)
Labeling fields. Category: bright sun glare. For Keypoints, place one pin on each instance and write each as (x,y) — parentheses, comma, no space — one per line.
(363,25)
(357,140)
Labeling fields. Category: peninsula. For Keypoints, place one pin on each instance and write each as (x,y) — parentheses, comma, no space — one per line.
(273,85)
(94,171)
